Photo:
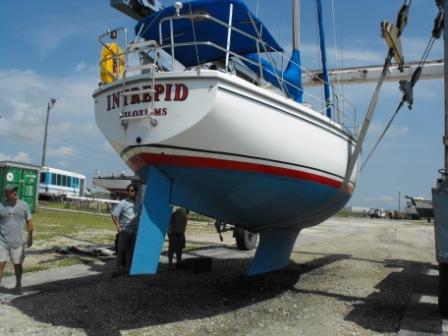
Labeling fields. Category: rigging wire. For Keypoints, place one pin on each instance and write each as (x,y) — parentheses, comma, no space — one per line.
(407,86)
(194,36)
(336,56)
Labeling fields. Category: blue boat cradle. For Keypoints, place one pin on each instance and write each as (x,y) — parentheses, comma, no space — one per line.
(272,253)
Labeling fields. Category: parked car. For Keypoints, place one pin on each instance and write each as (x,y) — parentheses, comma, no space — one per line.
(377,213)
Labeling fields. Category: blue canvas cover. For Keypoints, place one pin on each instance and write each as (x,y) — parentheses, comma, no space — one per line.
(292,74)
(186,30)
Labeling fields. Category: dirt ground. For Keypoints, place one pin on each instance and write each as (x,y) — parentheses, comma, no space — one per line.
(347,276)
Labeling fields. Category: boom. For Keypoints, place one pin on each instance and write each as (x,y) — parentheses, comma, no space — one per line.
(371,74)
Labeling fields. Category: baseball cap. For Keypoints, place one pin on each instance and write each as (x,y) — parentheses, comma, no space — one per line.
(10,187)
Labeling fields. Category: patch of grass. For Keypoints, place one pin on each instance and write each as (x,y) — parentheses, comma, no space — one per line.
(346,213)
(91,207)
(49,224)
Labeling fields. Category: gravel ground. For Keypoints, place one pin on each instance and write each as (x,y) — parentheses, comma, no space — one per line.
(347,276)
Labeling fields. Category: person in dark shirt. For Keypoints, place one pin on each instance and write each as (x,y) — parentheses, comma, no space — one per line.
(176,236)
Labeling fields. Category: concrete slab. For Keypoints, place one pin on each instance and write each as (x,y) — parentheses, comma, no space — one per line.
(422,314)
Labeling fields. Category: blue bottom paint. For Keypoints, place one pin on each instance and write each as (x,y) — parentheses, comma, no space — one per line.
(154,221)
(249,200)
(273,250)
(246,198)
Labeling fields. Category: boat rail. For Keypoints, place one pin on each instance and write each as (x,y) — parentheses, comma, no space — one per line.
(153,58)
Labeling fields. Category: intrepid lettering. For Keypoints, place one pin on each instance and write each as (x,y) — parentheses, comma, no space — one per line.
(162,92)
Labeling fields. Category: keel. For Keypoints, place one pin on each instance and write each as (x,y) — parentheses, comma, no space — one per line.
(154,221)
(273,250)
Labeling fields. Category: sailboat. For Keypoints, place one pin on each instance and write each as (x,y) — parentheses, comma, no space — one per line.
(209,121)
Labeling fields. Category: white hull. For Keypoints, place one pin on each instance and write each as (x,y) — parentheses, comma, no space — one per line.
(226,122)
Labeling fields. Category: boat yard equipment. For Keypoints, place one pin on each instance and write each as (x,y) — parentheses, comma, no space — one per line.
(407,87)
(440,192)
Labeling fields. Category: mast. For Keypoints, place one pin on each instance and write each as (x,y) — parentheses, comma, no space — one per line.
(296,24)
(323,53)
(293,72)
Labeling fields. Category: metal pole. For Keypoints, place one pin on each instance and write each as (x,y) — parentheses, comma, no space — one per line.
(229,35)
(445,36)
(399,201)
(296,24)
(49,106)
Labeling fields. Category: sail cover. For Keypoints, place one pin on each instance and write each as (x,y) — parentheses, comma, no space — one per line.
(203,30)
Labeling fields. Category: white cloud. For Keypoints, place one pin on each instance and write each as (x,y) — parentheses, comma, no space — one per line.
(63,151)
(19,157)
(51,33)
(376,128)
(63,163)
(80,67)
(350,56)
(413,48)
(380,199)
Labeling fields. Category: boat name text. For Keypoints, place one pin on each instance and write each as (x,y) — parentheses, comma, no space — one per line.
(162,92)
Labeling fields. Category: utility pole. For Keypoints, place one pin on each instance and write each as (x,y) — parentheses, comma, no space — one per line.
(49,106)
(399,202)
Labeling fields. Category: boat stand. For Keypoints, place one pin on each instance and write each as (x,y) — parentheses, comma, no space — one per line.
(154,220)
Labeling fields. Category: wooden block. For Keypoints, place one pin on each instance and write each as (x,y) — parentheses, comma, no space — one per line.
(198,264)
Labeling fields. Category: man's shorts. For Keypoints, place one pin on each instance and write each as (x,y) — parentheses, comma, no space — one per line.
(16,254)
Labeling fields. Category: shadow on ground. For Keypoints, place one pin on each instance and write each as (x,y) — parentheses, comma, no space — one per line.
(103,306)
(383,310)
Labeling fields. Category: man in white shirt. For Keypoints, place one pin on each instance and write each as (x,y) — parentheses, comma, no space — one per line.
(125,216)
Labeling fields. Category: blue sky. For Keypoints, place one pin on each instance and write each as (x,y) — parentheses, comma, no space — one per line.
(50,49)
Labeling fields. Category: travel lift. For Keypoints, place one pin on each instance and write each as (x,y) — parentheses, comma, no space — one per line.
(138,9)
(440,192)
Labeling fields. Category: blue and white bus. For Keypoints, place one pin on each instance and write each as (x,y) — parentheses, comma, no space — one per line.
(60,183)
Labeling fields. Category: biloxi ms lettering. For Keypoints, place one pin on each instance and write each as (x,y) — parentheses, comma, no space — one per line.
(162,92)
